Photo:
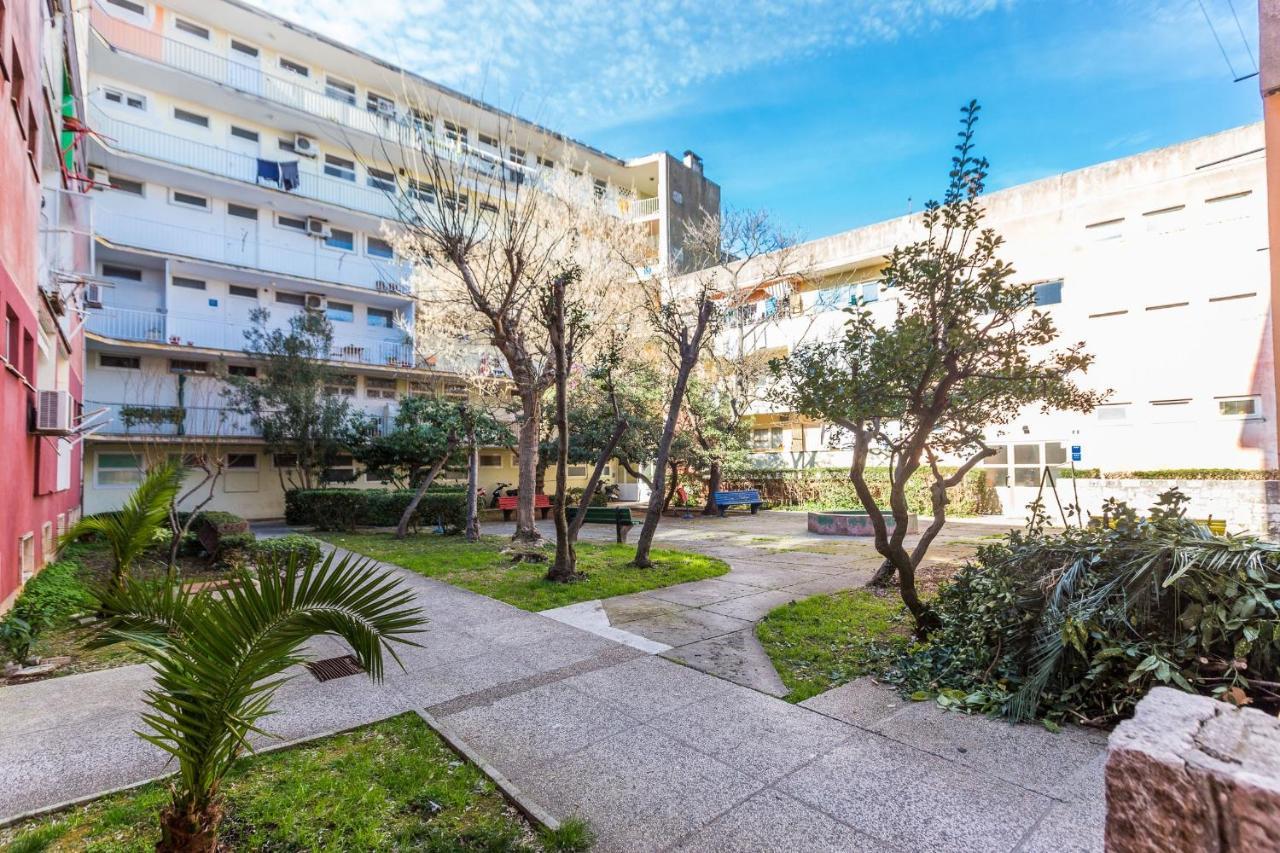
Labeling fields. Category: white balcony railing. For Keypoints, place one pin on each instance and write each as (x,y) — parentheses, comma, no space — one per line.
(246,250)
(157,326)
(163,421)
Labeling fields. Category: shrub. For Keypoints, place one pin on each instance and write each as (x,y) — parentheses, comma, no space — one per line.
(54,594)
(830,488)
(1082,624)
(16,637)
(344,509)
(307,548)
(1176,474)
(234,549)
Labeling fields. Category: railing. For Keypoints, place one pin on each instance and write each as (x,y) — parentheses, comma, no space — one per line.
(152,421)
(637,208)
(157,326)
(245,249)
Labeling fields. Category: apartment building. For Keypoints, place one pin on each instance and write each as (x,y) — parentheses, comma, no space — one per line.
(44,250)
(1158,262)
(241,165)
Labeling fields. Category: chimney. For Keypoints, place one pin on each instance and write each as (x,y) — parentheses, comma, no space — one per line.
(693,161)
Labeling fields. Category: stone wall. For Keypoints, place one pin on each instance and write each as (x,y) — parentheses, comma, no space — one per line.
(1189,774)
(1246,505)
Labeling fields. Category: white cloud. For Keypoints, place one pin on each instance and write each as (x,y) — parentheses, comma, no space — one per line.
(591,65)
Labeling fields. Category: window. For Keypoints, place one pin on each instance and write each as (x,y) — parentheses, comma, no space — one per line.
(242,461)
(119,469)
(244,133)
(381,318)
(126,273)
(295,67)
(340,90)
(290,298)
(1240,407)
(1107,229)
(246,292)
(190,283)
(190,118)
(17,92)
(127,185)
(341,312)
(124,362)
(128,99)
(135,8)
(422,191)
(380,179)
(381,104)
(379,389)
(455,201)
(1048,293)
(187,365)
(490,460)
(191,29)
(600,187)
(341,385)
(339,167)
(488,207)
(870,293)
(546,162)
(242,211)
(455,132)
(516,155)
(486,139)
(340,239)
(286,145)
(769,438)
(343,469)
(379,248)
(190,200)
(246,370)
(576,471)
(291,222)
(244,49)
(285,460)
(420,389)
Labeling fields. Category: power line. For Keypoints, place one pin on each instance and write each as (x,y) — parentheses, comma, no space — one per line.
(1214,30)
(1240,29)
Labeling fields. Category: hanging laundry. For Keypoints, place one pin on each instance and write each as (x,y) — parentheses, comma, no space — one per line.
(269,171)
(289,176)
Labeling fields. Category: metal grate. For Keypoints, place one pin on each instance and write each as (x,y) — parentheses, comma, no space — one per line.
(331,668)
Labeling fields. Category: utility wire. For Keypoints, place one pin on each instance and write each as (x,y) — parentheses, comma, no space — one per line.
(1213,30)
(1240,29)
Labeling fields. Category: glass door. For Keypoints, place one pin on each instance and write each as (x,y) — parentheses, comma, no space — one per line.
(1017,470)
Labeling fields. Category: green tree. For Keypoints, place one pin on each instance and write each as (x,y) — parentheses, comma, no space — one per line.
(219,659)
(290,402)
(717,408)
(967,350)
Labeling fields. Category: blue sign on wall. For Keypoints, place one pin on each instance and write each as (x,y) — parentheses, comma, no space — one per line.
(1075,453)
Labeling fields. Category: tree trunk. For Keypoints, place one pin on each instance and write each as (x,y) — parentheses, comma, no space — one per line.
(714,476)
(594,481)
(671,489)
(473,486)
(402,529)
(527,453)
(565,567)
(187,828)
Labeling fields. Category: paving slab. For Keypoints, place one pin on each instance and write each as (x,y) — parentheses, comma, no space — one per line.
(1078,825)
(639,605)
(646,687)
(737,657)
(686,626)
(862,702)
(771,820)
(699,593)
(591,616)
(754,607)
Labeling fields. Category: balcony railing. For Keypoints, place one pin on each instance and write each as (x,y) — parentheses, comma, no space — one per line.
(160,327)
(247,250)
(161,421)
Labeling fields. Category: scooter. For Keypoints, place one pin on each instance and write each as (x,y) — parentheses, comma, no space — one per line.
(611,491)
(497,493)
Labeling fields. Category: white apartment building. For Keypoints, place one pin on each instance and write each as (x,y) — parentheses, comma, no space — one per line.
(240,165)
(1158,262)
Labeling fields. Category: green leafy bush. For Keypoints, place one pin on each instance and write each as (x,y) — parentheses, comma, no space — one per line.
(1081,624)
(53,594)
(235,549)
(212,527)
(830,488)
(345,509)
(307,548)
(1175,474)
(16,638)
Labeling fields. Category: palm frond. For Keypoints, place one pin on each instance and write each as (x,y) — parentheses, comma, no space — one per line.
(129,531)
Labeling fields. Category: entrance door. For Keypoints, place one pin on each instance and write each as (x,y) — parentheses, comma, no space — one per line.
(244,71)
(1017,469)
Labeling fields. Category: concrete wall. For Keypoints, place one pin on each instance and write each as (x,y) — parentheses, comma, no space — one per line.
(1251,506)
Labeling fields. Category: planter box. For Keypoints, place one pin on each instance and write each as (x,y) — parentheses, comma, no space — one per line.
(853,523)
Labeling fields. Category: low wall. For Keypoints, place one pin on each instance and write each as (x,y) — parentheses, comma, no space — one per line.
(1193,775)
(1246,505)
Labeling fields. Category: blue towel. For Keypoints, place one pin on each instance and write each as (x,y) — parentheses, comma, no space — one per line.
(289,176)
(269,171)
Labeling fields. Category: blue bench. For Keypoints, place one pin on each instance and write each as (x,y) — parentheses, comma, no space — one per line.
(746,497)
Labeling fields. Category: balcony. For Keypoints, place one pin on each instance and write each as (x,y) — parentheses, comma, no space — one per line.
(179,330)
(172,421)
(318,263)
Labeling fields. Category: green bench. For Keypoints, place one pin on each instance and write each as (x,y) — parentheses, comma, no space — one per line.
(619,517)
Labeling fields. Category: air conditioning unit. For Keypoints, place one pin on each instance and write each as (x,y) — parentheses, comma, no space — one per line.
(315,302)
(304,145)
(386,109)
(93,295)
(101,179)
(53,412)
(318,228)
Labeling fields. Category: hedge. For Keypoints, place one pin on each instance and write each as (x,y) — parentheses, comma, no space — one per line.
(829,488)
(345,509)
(307,548)
(1173,474)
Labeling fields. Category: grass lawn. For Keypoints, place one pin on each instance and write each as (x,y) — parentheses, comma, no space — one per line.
(829,640)
(393,785)
(481,567)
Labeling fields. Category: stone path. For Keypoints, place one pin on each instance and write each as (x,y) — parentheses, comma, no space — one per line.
(655,755)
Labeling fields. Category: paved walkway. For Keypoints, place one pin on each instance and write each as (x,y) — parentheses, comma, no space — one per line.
(657,756)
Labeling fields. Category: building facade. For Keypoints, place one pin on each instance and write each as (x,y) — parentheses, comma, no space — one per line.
(1157,262)
(44,247)
(240,165)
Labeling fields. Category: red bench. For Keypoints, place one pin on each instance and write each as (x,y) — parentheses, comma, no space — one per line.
(507,504)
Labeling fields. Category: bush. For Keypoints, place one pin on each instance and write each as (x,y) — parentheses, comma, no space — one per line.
(1080,625)
(344,509)
(234,549)
(16,638)
(1176,474)
(54,594)
(307,548)
(829,488)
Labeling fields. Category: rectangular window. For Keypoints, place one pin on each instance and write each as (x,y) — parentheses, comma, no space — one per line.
(190,283)
(343,470)
(124,362)
(285,298)
(516,155)
(379,389)
(381,318)
(295,67)
(126,273)
(285,460)
(242,461)
(286,145)
(244,49)
(246,292)
(488,207)
(421,120)
(129,5)
(242,211)
(1048,293)
(244,133)
(576,471)
(291,222)
(341,385)
(455,132)
(380,104)
(339,167)
(490,460)
(380,179)
(870,293)
(340,312)
(119,469)
(187,365)
(1240,407)
(190,200)
(191,28)
(127,185)
(190,118)
(341,239)
(245,370)
(340,90)
(128,99)
(486,139)
(766,439)
(600,187)
(379,248)
(422,191)
(546,162)
(1107,229)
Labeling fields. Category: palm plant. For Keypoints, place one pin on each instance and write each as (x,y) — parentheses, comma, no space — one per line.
(219,659)
(130,531)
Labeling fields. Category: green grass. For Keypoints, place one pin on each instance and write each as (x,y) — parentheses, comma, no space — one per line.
(481,567)
(393,785)
(823,642)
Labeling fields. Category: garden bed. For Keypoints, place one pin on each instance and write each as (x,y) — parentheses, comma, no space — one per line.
(393,785)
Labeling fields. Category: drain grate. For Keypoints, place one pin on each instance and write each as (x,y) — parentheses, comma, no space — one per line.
(331,668)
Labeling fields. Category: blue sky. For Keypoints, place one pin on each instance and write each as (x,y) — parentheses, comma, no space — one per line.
(832,114)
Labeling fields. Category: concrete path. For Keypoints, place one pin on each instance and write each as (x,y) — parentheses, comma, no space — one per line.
(657,756)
